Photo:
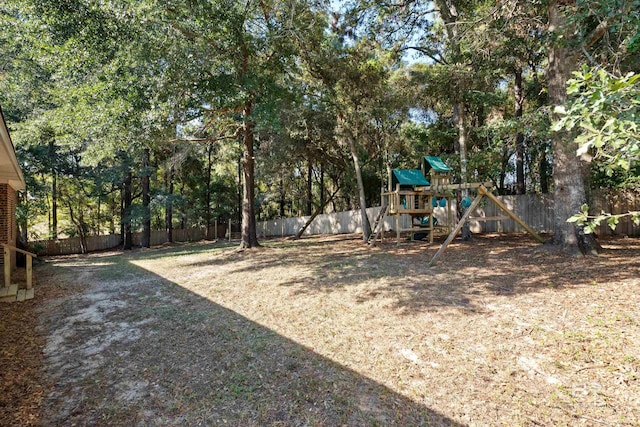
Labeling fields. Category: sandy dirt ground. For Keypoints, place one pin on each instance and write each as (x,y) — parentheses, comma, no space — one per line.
(327,331)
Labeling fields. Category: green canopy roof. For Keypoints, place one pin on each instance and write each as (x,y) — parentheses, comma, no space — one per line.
(409,177)
(436,163)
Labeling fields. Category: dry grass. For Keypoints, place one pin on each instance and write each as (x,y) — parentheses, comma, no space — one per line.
(23,385)
(21,390)
(328,331)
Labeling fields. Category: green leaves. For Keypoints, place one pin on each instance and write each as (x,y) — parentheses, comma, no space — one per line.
(591,222)
(604,112)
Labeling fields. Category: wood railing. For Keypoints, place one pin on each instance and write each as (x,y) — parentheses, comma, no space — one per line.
(406,201)
(7,264)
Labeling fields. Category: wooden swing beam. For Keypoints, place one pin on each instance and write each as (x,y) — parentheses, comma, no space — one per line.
(482,192)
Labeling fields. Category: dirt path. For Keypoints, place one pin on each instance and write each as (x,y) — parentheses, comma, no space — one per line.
(89,334)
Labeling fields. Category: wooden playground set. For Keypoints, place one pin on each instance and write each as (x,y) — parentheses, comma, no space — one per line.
(419,192)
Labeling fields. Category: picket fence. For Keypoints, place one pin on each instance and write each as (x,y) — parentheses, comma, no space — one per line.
(535,210)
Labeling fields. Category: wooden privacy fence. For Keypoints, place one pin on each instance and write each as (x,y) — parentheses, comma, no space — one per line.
(99,243)
(73,245)
(535,210)
(618,202)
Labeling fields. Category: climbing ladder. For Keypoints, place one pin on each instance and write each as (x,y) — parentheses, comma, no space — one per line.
(378,225)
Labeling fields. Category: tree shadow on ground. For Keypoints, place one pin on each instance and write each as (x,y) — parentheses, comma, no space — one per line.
(148,352)
(321,254)
(184,248)
(495,265)
(487,266)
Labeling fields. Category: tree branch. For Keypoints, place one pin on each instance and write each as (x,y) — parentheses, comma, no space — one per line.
(220,138)
(195,36)
(425,52)
(595,35)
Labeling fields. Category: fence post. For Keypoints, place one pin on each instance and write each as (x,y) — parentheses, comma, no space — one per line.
(29,272)
(7,266)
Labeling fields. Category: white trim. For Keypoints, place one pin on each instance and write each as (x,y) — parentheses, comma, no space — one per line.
(14,178)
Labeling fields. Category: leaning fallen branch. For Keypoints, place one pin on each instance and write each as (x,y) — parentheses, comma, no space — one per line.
(317,212)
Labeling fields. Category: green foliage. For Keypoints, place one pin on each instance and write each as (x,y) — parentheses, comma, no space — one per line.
(602,176)
(604,111)
(608,31)
(591,222)
(87,85)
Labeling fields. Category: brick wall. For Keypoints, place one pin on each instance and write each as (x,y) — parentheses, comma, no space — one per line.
(4,213)
(8,225)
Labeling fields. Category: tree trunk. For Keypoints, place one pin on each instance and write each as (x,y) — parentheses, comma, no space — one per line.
(461,122)
(183,214)
(249,236)
(145,239)
(54,205)
(335,183)
(79,224)
(113,210)
(366,227)
(242,143)
(309,188)
(208,194)
(23,235)
(98,225)
(126,212)
(389,170)
(123,214)
(322,198)
(449,14)
(569,192)
(544,171)
(504,164)
(518,95)
(81,232)
(169,202)
(282,196)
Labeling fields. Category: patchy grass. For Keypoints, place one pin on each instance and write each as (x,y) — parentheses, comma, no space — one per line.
(328,331)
